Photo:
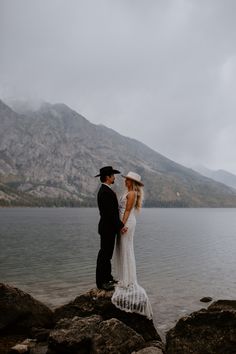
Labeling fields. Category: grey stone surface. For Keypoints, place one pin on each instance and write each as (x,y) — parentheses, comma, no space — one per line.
(211,331)
(149,350)
(21,312)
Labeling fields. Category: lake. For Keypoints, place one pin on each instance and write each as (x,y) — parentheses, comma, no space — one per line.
(181,255)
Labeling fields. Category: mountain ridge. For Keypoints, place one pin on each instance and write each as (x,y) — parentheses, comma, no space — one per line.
(222,176)
(53,152)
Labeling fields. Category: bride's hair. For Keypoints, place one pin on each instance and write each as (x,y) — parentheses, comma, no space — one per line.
(139,189)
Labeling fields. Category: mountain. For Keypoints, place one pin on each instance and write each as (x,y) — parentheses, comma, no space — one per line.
(52,154)
(229,179)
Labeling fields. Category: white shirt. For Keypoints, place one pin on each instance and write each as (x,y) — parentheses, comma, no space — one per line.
(108,185)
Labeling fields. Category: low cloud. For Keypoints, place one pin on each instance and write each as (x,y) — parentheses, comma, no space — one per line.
(161,72)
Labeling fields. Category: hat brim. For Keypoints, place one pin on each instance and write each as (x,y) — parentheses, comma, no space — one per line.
(113,172)
(132,179)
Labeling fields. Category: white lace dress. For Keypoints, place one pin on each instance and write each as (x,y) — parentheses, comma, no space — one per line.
(128,295)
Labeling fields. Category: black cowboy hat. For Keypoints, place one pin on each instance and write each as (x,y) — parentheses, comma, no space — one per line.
(107,171)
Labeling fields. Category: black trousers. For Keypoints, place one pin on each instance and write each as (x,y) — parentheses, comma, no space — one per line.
(103,270)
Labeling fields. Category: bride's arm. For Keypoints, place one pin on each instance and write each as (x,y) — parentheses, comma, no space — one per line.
(129,205)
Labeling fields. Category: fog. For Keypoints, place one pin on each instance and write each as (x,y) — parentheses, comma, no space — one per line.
(163,72)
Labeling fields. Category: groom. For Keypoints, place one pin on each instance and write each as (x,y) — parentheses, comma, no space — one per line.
(109,226)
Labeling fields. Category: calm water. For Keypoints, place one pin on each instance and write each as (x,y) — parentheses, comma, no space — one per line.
(181,254)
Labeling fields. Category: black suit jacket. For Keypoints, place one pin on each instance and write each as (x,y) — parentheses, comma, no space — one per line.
(109,211)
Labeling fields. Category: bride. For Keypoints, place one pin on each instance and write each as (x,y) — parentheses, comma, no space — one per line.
(129,295)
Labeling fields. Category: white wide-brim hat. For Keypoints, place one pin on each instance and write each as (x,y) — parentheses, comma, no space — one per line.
(135,177)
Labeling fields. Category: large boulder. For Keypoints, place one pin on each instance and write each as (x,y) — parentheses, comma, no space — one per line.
(20,312)
(73,335)
(91,334)
(211,331)
(99,302)
(114,337)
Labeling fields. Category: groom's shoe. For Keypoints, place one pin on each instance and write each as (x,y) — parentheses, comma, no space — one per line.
(113,281)
(107,286)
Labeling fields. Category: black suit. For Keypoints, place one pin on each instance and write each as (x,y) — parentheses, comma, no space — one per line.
(109,225)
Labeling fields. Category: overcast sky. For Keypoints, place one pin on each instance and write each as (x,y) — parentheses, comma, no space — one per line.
(160,71)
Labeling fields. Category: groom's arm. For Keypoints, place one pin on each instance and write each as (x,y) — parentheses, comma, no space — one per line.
(108,206)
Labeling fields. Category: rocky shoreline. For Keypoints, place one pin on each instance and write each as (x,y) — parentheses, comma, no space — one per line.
(92,324)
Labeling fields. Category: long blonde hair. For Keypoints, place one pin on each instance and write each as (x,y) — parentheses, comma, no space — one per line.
(139,189)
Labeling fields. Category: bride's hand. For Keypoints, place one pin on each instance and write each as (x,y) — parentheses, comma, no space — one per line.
(124,230)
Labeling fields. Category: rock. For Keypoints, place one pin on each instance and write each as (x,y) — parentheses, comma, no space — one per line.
(223,305)
(7,341)
(41,334)
(99,302)
(24,347)
(152,347)
(29,342)
(206,299)
(73,335)
(19,311)
(29,346)
(114,337)
(149,350)
(211,331)
(19,349)
(40,348)
(91,334)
